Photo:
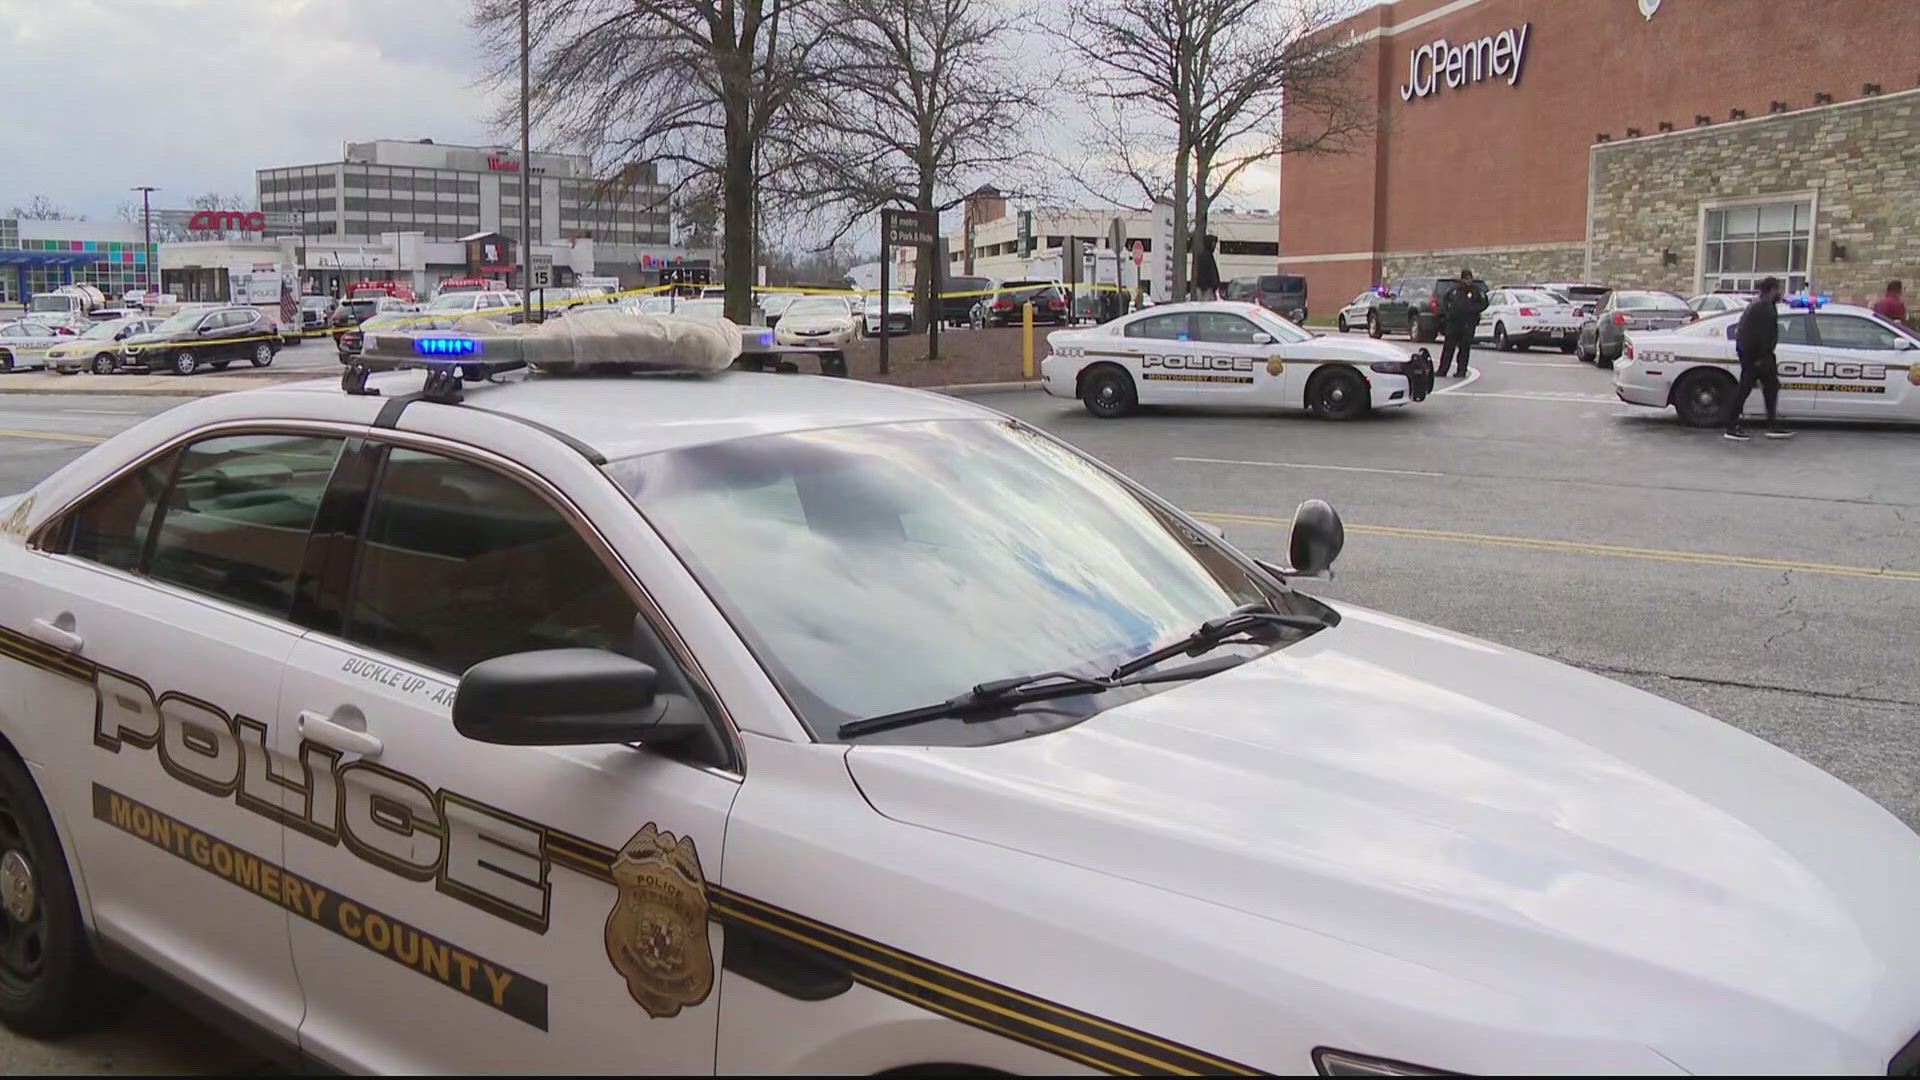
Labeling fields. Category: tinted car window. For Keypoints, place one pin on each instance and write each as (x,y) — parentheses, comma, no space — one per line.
(1161,327)
(1852,332)
(235,520)
(461,564)
(1793,329)
(1225,328)
(111,527)
(1283,283)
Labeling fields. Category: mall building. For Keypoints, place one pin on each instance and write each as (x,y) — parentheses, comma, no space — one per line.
(1689,145)
(36,256)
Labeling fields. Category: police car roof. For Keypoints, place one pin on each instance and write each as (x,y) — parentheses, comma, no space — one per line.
(626,416)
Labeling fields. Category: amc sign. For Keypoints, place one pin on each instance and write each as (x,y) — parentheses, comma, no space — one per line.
(228,221)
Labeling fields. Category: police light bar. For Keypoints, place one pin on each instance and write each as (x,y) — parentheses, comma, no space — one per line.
(447,346)
(1809,301)
(1382,290)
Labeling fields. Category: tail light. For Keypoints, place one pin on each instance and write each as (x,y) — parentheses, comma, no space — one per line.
(1003,304)
(1629,350)
(1433,303)
(1529,312)
(1057,304)
(1619,319)
(1693,316)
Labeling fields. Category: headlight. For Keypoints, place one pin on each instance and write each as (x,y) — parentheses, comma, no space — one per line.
(1340,1063)
(1389,367)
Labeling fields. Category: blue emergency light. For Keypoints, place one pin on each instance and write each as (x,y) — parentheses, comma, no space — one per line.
(435,346)
(766,338)
(1809,301)
(1382,290)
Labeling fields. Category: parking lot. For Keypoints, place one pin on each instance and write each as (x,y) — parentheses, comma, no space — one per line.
(1772,585)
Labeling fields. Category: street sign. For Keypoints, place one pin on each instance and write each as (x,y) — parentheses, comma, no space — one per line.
(918,230)
(1117,236)
(1139,254)
(1026,233)
(909,228)
(542,271)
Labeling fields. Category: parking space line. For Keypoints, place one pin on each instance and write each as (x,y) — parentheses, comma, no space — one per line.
(1473,376)
(1304,465)
(1564,397)
(53,436)
(1566,365)
(1578,547)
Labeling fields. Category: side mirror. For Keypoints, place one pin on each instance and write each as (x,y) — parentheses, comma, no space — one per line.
(1315,540)
(1904,345)
(1261,337)
(559,697)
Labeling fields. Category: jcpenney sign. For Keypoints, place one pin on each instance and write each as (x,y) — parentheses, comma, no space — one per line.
(1496,56)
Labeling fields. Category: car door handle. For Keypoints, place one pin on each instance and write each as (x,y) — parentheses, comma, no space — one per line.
(60,637)
(339,736)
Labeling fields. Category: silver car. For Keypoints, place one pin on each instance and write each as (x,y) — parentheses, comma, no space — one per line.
(1707,305)
(24,344)
(98,349)
(1604,335)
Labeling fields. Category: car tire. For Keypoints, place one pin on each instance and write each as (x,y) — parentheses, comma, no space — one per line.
(262,355)
(1600,356)
(1107,392)
(1580,350)
(6,360)
(1419,332)
(1501,341)
(50,982)
(1567,347)
(1374,329)
(184,362)
(1337,393)
(1704,397)
(1341,322)
(105,364)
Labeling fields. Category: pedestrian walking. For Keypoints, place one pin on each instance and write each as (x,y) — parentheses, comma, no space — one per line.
(1753,342)
(1460,309)
(1206,270)
(1891,306)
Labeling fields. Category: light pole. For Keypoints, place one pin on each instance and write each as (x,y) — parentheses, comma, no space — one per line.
(526,181)
(146,218)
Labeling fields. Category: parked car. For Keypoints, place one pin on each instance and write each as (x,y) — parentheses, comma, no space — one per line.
(201,338)
(1282,293)
(1523,318)
(899,314)
(1719,303)
(1358,314)
(1584,296)
(958,295)
(24,344)
(98,350)
(818,320)
(1604,334)
(1049,300)
(489,302)
(1413,309)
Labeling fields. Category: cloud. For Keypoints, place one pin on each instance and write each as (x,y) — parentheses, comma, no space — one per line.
(194,95)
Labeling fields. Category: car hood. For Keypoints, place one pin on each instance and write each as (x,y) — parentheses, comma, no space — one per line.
(1359,351)
(148,339)
(798,323)
(1585,847)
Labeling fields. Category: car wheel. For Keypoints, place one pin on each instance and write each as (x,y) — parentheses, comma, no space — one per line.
(1500,339)
(6,360)
(262,355)
(1418,330)
(49,980)
(1374,329)
(1704,397)
(104,364)
(1600,354)
(1108,392)
(185,363)
(1580,349)
(1567,347)
(1338,393)
(1341,322)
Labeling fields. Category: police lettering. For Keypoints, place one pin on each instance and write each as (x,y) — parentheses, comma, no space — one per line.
(1832,369)
(1240,364)
(472,852)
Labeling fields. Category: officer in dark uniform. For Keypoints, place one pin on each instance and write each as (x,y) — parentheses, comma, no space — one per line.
(1460,312)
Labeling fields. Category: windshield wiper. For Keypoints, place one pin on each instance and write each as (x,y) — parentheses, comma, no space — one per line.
(1215,632)
(1021,689)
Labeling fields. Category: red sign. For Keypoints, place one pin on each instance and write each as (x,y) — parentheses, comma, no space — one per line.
(1139,253)
(228,221)
(500,164)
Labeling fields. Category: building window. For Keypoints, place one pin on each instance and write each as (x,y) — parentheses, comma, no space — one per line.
(1743,244)
(1250,247)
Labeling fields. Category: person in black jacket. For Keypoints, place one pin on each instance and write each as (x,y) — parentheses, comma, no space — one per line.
(1753,342)
(1206,270)
(1460,310)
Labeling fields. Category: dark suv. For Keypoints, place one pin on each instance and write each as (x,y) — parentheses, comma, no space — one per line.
(958,295)
(203,337)
(1283,294)
(1049,300)
(1413,309)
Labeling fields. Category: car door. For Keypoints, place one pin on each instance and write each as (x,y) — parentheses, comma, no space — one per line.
(1863,368)
(1161,346)
(1497,305)
(241,333)
(1795,355)
(1242,360)
(164,596)
(491,908)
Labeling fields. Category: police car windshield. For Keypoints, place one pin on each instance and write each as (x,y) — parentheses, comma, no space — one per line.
(1530,296)
(876,568)
(1282,330)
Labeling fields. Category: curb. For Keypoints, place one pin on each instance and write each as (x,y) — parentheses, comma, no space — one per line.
(972,389)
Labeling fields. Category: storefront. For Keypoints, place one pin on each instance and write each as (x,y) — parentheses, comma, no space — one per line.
(36,256)
(1680,144)
(203,269)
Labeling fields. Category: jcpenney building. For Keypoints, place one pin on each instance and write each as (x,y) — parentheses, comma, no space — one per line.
(1679,144)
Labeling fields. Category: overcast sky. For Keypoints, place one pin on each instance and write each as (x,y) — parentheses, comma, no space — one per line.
(194,95)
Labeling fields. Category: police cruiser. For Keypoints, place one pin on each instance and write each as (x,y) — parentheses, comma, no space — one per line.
(1225,353)
(1836,361)
(526,713)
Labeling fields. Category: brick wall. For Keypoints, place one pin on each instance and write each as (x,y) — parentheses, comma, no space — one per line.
(1863,158)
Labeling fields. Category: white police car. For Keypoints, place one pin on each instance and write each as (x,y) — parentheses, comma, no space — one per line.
(758,723)
(1219,352)
(1520,318)
(1836,361)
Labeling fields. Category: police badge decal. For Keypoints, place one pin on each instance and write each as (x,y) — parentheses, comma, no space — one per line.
(657,930)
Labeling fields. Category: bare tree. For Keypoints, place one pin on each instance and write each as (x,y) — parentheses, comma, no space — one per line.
(43,208)
(1229,83)
(920,102)
(701,88)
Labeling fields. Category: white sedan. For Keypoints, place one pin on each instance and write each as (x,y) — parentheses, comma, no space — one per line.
(24,344)
(1220,352)
(1522,318)
(1837,362)
(817,320)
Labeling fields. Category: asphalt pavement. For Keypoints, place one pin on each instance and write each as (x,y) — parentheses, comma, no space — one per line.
(1773,585)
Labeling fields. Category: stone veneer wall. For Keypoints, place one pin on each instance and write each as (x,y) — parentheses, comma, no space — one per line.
(1862,156)
(1498,266)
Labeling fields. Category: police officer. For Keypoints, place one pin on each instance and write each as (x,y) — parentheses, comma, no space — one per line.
(1460,308)
(1753,342)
